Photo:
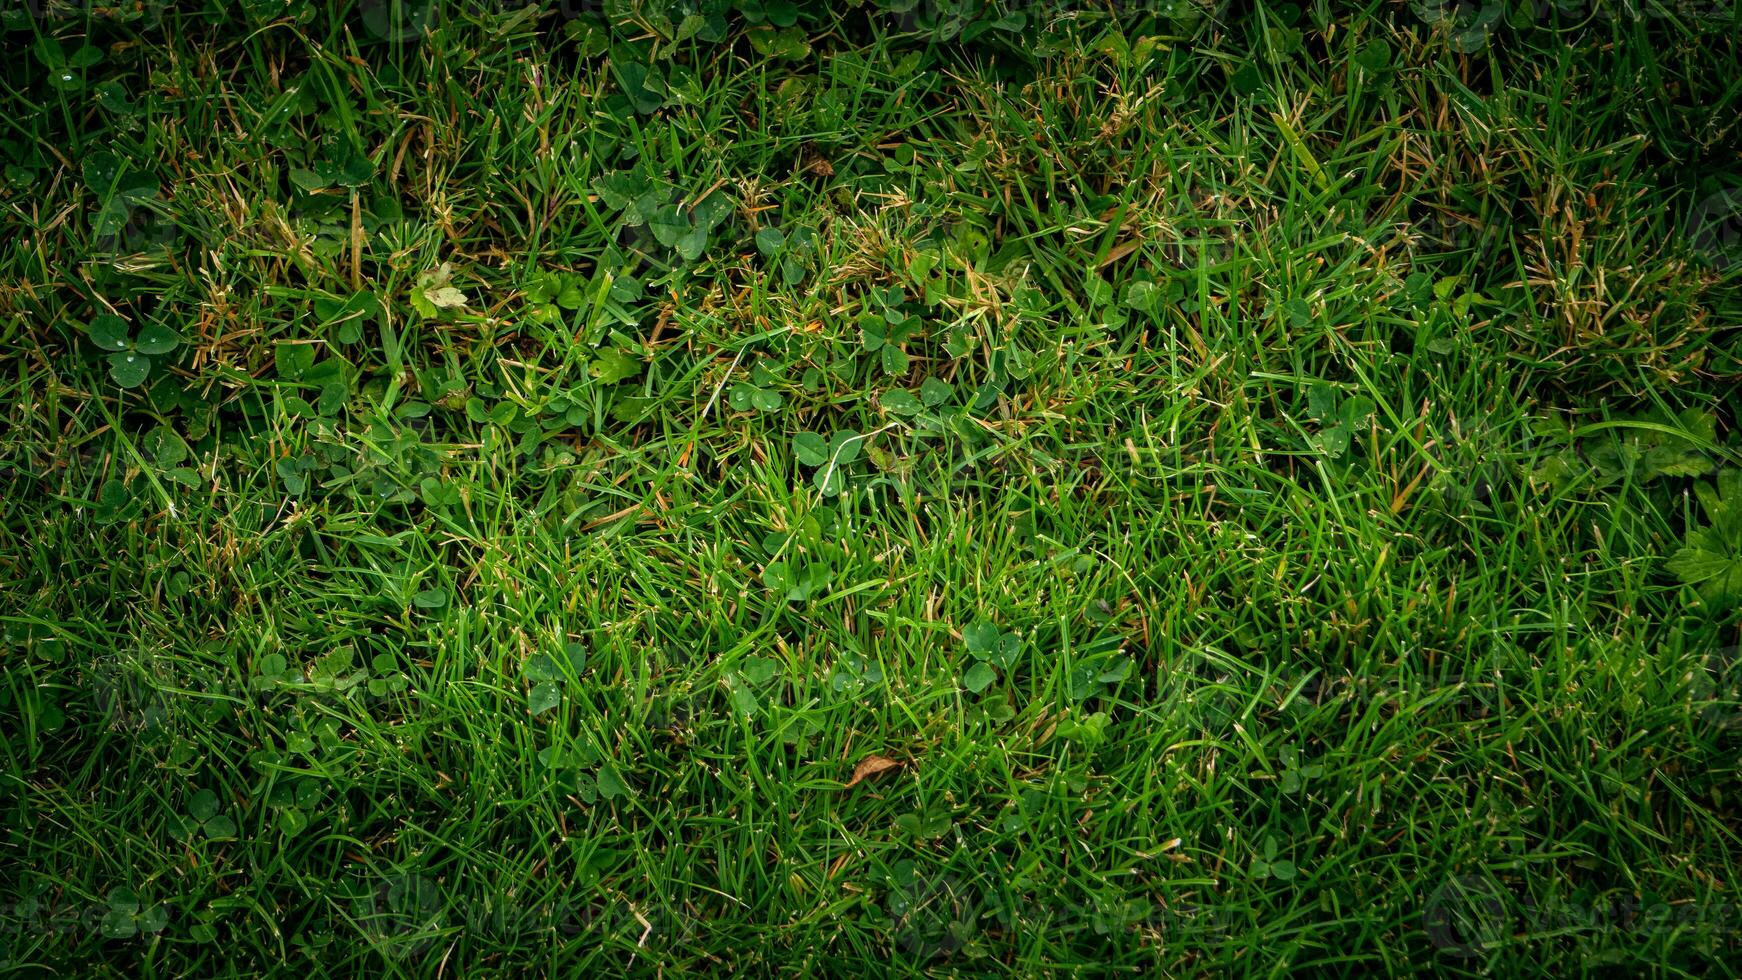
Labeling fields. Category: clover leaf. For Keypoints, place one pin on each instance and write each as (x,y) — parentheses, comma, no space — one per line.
(643,85)
(746,396)
(549,673)
(612,365)
(986,642)
(387,679)
(979,677)
(788,42)
(830,457)
(129,360)
(205,812)
(109,332)
(900,401)
(810,449)
(796,582)
(129,369)
(934,392)
(435,292)
(1341,419)
(990,647)
(544,697)
(127,916)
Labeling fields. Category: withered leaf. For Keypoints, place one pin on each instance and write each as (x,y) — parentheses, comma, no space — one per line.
(871,765)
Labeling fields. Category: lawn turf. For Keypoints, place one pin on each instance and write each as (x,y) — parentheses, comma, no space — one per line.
(590,489)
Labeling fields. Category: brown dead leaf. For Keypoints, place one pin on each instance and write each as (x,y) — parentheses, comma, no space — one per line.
(812,159)
(872,765)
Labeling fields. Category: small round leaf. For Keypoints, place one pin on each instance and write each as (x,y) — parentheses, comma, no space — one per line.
(109,332)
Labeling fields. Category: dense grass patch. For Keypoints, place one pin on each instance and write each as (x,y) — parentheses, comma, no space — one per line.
(1188,488)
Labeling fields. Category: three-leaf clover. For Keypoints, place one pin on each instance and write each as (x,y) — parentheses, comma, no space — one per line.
(112,500)
(206,813)
(1086,729)
(565,763)
(632,192)
(388,679)
(642,85)
(297,472)
(786,42)
(854,672)
(746,396)
(333,670)
(1271,866)
(1340,419)
(292,800)
(66,71)
(990,647)
(1294,775)
(439,494)
(435,292)
(791,251)
(552,292)
(550,673)
(130,357)
(883,333)
(118,190)
(273,670)
(686,229)
(795,581)
(1099,663)
(830,456)
(927,824)
(127,916)
(760,392)
(752,673)
(612,364)
(347,168)
(347,316)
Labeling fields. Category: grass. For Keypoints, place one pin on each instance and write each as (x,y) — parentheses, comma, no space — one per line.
(1178,490)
